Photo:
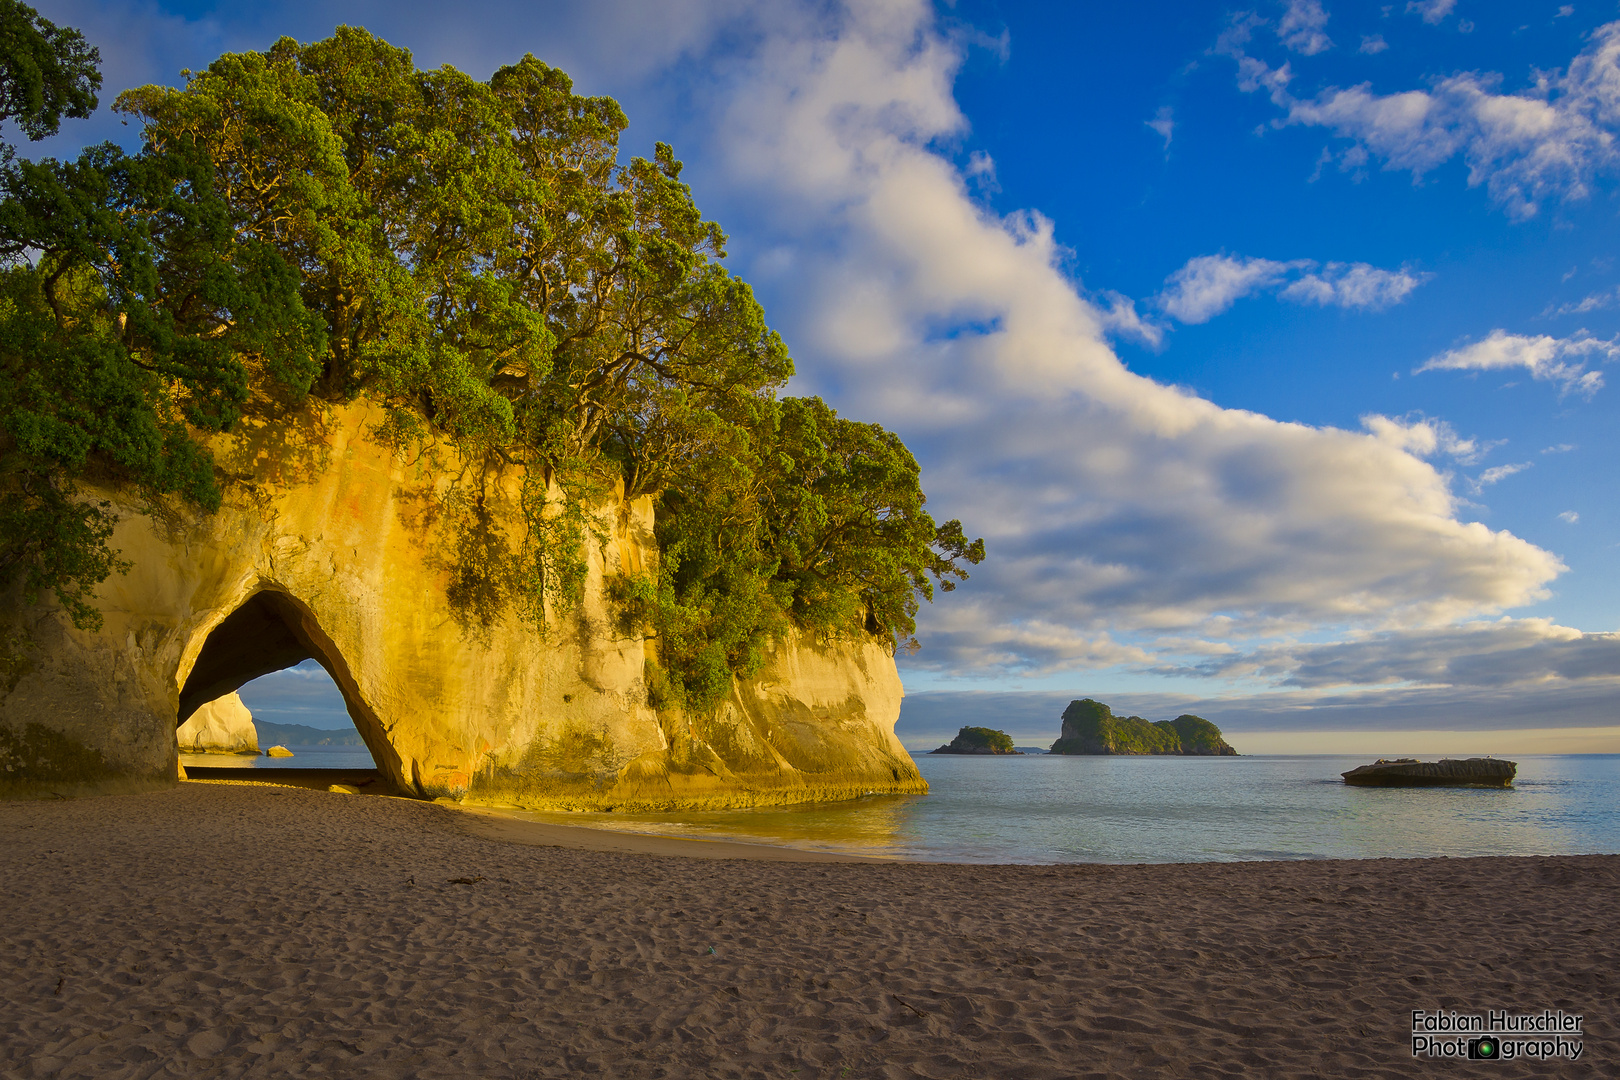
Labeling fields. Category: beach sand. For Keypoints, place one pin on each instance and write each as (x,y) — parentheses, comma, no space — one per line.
(241,930)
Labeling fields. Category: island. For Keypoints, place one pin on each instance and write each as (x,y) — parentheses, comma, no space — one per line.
(979,740)
(1447,772)
(1090,727)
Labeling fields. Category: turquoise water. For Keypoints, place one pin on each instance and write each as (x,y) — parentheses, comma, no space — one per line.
(1040,809)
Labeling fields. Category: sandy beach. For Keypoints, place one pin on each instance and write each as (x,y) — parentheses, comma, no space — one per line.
(245,930)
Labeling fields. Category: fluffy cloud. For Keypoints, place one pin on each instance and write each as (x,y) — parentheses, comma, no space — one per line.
(1209,284)
(1507,652)
(1547,142)
(1117,509)
(1300,28)
(1127,520)
(1431,11)
(1593,302)
(1559,360)
(1354,285)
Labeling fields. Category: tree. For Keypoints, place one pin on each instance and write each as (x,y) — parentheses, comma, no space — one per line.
(474,257)
(46,71)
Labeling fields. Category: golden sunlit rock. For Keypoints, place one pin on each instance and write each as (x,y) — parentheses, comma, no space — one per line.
(221,726)
(331,547)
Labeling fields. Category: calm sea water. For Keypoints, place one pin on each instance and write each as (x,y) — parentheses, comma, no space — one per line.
(304,757)
(1041,809)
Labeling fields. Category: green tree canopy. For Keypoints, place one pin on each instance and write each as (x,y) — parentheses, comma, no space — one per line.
(328,219)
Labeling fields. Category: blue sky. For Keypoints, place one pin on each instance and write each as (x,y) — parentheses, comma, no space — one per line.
(1266,343)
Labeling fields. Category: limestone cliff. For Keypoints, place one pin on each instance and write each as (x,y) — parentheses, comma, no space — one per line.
(329,546)
(221,726)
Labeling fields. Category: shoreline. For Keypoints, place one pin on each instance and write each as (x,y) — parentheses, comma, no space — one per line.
(260,930)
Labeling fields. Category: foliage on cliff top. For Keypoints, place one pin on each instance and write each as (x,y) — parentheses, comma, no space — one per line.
(327,219)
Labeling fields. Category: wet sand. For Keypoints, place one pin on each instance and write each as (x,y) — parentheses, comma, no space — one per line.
(247,930)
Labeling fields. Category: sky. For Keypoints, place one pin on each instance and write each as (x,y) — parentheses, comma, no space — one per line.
(1267,345)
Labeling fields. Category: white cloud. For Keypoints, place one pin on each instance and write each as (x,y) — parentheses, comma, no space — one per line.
(1569,517)
(1549,141)
(1126,518)
(1431,11)
(1300,28)
(1120,318)
(1561,448)
(1117,509)
(1559,360)
(1372,44)
(1498,473)
(1594,302)
(1505,652)
(1354,285)
(1424,437)
(1209,284)
(1164,124)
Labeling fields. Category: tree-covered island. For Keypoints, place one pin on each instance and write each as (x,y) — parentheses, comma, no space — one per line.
(320,223)
(1090,727)
(979,740)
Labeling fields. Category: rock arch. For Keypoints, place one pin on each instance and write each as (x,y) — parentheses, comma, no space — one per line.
(273,630)
(330,546)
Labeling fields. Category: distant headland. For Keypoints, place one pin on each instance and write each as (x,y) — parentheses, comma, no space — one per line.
(1090,727)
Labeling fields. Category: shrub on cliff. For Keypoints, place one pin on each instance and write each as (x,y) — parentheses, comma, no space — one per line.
(473,256)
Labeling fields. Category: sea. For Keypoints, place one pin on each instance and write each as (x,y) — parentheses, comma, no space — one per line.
(1039,808)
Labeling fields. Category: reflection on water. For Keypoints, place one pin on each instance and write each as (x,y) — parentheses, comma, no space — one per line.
(304,757)
(1040,809)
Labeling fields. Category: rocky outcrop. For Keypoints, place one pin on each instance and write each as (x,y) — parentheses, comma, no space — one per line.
(221,726)
(329,546)
(979,740)
(1090,727)
(1447,772)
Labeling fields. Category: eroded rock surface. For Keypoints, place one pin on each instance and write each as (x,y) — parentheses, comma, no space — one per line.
(221,726)
(329,546)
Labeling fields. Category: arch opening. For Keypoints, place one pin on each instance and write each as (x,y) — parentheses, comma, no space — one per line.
(270,632)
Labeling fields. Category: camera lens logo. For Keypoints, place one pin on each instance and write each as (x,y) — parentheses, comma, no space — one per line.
(1484,1048)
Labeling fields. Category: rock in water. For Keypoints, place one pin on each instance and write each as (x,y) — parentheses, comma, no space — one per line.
(1447,772)
(333,548)
(1090,727)
(221,726)
(278,751)
(979,740)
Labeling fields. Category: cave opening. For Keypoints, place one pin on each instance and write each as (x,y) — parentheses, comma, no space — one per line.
(293,680)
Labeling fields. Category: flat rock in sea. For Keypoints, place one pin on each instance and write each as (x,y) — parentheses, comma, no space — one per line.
(1447,772)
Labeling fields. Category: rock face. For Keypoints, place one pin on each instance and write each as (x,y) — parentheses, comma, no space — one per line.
(979,740)
(331,547)
(1447,772)
(221,726)
(1090,727)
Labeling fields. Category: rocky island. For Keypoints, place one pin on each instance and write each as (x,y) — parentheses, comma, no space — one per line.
(979,740)
(1090,727)
(1447,772)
